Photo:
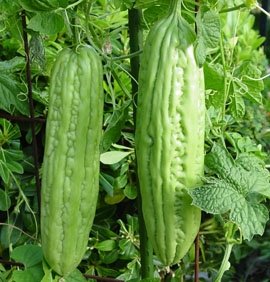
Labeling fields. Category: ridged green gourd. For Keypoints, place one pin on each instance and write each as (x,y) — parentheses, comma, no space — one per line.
(70,171)
(170,136)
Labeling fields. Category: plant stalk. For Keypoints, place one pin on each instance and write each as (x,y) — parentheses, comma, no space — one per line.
(31,107)
(175,6)
(136,38)
(225,265)
(197,258)
(235,8)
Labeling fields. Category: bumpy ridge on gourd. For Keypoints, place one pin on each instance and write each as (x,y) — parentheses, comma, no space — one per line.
(70,170)
(169,138)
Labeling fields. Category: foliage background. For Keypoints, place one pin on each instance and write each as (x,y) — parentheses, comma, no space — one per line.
(237,111)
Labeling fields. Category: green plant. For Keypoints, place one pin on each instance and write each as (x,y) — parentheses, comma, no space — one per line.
(170,135)
(232,54)
(42,6)
(71,161)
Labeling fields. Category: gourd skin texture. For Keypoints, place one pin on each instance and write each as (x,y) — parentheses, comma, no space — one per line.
(170,137)
(70,172)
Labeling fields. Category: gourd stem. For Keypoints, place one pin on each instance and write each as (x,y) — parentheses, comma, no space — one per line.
(76,36)
(136,38)
(175,6)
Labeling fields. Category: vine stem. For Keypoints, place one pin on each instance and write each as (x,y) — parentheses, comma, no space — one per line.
(136,38)
(223,59)
(17,228)
(197,240)
(262,10)
(21,118)
(197,258)
(31,106)
(74,4)
(225,265)
(235,8)
(76,35)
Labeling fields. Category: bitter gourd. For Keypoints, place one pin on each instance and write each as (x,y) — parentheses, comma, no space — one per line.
(169,135)
(70,172)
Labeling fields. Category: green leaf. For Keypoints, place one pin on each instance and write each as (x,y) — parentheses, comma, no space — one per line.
(130,192)
(133,224)
(209,29)
(8,133)
(250,86)
(106,182)
(219,156)
(237,106)
(216,99)
(12,154)
(256,175)
(200,52)
(208,33)
(9,7)
(117,197)
(29,255)
(220,196)
(247,173)
(250,217)
(4,201)
(10,91)
(120,181)
(115,124)
(128,250)
(235,190)
(142,4)
(105,272)
(14,167)
(48,274)
(8,234)
(103,232)
(245,145)
(9,163)
(113,157)
(59,3)
(124,4)
(41,6)
(33,274)
(34,6)
(4,172)
(37,50)
(12,65)
(216,196)
(111,258)
(75,276)
(213,76)
(133,271)
(106,246)
(46,23)
(154,13)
